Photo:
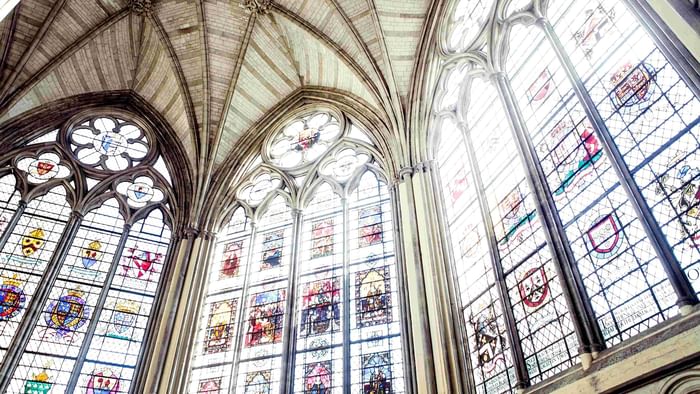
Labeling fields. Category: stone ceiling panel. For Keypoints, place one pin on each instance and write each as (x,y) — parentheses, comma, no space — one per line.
(226,28)
(267,75)
(402,26)
(29,19)
(96,66)
(181,23)
(156,81)
(74,19)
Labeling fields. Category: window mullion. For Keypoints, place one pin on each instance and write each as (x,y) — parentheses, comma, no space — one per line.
(289,337)
(240,314)
(13,222)
(198,300)
(35,308)
(97,312)
(582,316)
(679,281)
(521,375)
(346,297)
(456,307)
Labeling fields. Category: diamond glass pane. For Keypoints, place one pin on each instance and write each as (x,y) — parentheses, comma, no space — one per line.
(650,111)
(117,344)
(26,254)
(623,278)
(60,332)
(215,346)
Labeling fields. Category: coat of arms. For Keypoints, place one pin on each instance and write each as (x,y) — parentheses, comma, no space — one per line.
(67,314)
(604,236)
(632,85)
(103,381)
(91,253)
(123,319)
(11,298)
(33,242)
(137,263)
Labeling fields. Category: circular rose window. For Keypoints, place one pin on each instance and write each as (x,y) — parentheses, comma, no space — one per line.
(109,143)
(304,139)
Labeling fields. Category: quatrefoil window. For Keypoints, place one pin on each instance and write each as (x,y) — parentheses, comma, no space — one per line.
(466,22)
(43,168)
(343,164)
(140,192)
(259,188)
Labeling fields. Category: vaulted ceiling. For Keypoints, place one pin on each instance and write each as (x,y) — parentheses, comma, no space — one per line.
(212,68)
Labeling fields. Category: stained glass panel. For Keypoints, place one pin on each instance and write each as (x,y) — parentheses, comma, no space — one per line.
(109,143)
(26,254)
(121,325)
(265,302)
(9,199)
(60,331)
(373,298)
(304,139)
(650,111)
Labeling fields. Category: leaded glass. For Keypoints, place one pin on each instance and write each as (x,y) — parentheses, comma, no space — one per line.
(90,290)
(216,340)
(467,20)
(329,266)
(60,331)
(43,168)
(624,280)
(265,301)
(121,325)
(26,254)
(650,113)
(109,143)
(304,139)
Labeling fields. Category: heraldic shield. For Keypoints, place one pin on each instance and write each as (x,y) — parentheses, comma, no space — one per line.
(123,319)
(91,254)
(32,242)
(11,298)
(103,381)
(68,313)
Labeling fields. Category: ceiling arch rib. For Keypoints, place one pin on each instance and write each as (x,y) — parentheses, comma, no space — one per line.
(283,51)
(266,76)
(28,22)
(225,34)
(181,29)
(158,82)
(327,19)
(92,67)
(73,20)
(402,25)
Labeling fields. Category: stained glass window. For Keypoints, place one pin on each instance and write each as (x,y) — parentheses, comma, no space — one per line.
(571,105)
(79,280)
(316,288)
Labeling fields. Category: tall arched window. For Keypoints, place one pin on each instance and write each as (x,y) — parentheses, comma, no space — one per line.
(303,290)
(566,145)
(85,223)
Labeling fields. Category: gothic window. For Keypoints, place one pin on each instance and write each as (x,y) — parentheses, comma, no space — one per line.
(583,106)
(84,241)
(302,291)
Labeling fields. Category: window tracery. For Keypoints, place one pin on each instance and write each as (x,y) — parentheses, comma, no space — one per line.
(605,129)
(80,256)
(313,302)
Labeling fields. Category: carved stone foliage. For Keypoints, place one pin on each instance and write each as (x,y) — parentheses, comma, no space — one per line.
(142,6)
(259,7)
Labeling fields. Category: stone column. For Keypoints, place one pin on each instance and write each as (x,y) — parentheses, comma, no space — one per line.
(438,362)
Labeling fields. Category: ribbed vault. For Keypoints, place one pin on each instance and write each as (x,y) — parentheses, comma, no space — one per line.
(212,68)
